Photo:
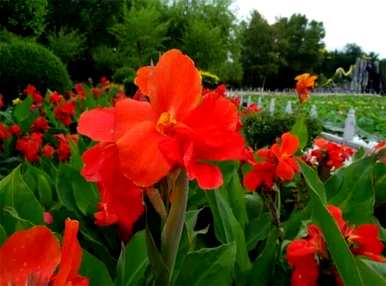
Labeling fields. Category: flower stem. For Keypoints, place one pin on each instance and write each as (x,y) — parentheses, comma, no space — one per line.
(172,231)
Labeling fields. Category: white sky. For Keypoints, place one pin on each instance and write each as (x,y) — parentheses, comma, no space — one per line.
(346,21)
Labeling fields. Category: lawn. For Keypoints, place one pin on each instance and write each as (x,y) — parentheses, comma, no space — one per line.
(332,110)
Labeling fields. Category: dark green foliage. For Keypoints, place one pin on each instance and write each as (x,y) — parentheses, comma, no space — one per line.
(67,44)
(382,69)
(23,63)
(262,129)
(123,73)
(24,17)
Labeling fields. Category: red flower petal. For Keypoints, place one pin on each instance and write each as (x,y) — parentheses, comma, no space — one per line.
(130,112)
(285,171)
(142,78)
(337,215)
(71,256)
(98,124)
(208,176)
(367,240)
(140,156)
(174,85)
(252,181)
(29,255)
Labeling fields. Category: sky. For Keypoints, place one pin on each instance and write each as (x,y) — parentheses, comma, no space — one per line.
(346,21)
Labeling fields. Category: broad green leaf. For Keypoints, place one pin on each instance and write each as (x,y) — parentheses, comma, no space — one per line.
(338,248)
(74,192)
(95,270)
(257,229)
(15,194)
(39,183)
(234,191)
(373,273)
(264,265)
(300,130)
(229,230)
(133,261)
(208,266)
(292,225)
(353,190)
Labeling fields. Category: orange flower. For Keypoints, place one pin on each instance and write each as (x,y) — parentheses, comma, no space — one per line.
(276,162)
(305,83)
(31,257)
(178,127)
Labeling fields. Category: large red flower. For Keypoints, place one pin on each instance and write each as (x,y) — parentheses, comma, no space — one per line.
(275,162)
(31,257)
(177,127)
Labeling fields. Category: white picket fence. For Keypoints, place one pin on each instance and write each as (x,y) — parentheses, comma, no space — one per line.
(350,135)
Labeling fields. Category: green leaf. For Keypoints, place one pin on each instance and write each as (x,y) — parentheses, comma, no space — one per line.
(257,229)
(208,266)
(23,115)
(228,230)
(300,130)
(338,248)
(133,261)
(373,273)
(95,270)
(353,190)
(39,182)
(234,191)
(264,265)
(15,194)
(380,183)
(74,192)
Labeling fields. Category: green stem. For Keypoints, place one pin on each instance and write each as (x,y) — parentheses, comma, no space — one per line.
(172,231)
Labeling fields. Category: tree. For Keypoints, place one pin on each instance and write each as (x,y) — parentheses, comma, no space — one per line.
(299,46)
(258,57)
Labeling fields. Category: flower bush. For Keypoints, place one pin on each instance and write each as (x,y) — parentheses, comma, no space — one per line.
(163,189)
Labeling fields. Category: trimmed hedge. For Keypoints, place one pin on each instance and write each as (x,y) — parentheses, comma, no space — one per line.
(23,63)
(262,129)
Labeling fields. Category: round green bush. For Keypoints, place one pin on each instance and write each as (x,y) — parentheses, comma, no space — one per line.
(261,129)
(23,63)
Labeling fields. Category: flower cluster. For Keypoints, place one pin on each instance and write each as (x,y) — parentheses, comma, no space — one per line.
(275,163)
(34,257)
(306,255)
(328,154)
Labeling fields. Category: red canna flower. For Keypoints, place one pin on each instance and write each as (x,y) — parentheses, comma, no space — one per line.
(48,151)
(80,91)
(31,257)
(40,125)
(63,150)
(305,83)
(97,91)
(4,132)
(30,90)
(14,129)
(235,100)
(30,146)
(328,154)
(65,112)
(178,127)
(55,97)
(104,81)
(277,162)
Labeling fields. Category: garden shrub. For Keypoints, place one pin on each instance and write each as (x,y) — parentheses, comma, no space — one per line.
(262,129)
(122,74)
(23,63)
(68,45)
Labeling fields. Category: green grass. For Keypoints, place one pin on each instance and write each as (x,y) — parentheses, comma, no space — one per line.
(332,110)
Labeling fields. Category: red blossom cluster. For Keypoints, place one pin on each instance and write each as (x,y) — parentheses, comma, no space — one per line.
(38,99)
(34,257)
(65,111)
(271,164)
(328,154)
(306,255)
(304,84)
